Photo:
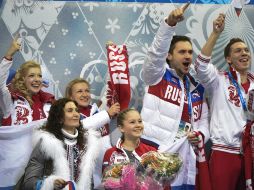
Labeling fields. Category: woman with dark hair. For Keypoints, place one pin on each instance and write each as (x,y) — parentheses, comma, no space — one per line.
(64,151)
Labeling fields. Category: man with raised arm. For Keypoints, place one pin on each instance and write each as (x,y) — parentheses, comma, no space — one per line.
(228,91)
(173,106)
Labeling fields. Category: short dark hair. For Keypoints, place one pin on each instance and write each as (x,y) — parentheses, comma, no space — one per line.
(176,39)
(228,46)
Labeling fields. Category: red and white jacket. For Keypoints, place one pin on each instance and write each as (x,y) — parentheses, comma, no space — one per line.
(164,100)
(92,117)
(16,109)
(117,155)
(227,114)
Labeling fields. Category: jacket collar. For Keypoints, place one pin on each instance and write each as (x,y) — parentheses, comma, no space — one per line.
(54,149)
(190,77)
(134,152)
(236,75)
(120,143)
(43,96)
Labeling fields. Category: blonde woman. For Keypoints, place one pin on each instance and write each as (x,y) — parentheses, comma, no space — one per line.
(24,101)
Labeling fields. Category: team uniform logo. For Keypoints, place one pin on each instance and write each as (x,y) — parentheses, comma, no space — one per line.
(233,96)
(21,115)
(117,158)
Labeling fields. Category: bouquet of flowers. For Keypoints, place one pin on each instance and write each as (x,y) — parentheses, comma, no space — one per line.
(162,167)
(120,177)
(154,171)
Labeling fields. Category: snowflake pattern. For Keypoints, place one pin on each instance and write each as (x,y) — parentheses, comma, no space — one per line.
(64,31)
(72,55)
(79,44)
(67,71)
(52,45)
(74,15)
(112,26)
(52,60)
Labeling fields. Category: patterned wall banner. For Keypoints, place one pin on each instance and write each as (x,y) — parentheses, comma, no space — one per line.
(174,1)
(68,38)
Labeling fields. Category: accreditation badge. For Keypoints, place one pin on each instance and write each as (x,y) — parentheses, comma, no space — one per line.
(183,129)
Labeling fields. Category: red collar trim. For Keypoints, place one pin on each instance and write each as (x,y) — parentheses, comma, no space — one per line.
(43,96)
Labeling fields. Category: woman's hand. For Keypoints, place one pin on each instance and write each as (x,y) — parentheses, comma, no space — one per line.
(114,110)
(14,47)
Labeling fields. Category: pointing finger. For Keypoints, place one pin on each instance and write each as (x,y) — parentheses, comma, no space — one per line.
(185,6)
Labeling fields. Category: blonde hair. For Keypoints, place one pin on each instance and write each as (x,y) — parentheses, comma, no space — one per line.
(19,82)
(68,90)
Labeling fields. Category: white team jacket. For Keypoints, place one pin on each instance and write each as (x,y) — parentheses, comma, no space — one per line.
(227,114)
(164,99)
(18,111)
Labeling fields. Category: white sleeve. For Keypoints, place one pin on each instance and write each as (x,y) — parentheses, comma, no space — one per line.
(96,121)
(203,124)
(5,96)
(207,73)
(155,62)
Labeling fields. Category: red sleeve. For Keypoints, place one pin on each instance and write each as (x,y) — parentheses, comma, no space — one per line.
(153,149)
(106,158)
(247,151)
(150,148)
